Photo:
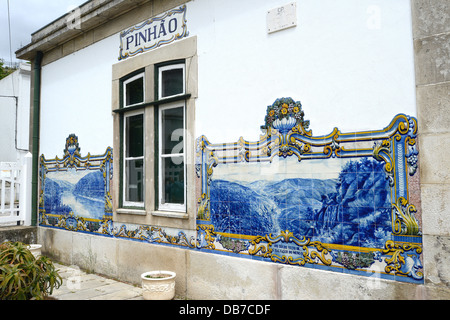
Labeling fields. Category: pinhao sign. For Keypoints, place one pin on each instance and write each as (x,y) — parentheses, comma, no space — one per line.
(153,33)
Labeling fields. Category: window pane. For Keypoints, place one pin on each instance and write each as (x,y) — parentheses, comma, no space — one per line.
(172,82)
(173,177)
(135,180)
(135,136)
(172,130)
(135,92)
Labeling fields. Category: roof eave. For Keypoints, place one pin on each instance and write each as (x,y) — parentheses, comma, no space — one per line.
(92,14)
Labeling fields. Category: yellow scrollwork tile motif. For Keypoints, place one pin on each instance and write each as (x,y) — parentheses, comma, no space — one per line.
(338,201)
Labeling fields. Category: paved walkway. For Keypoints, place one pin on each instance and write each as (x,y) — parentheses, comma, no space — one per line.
(79,285)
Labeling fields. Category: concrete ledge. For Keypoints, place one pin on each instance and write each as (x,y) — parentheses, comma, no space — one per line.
(23,234)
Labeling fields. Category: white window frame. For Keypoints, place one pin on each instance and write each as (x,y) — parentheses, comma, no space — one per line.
(171,206)
(140,75)
(171,67)
(126,203)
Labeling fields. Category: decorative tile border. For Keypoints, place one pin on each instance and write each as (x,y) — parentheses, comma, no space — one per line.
(342,202)
(75,191)
(337,202)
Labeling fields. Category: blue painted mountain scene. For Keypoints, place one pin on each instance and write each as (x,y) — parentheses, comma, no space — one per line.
(80,192)
(333,201)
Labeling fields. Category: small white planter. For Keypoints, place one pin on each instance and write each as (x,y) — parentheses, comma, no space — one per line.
(35,250)
(158,285)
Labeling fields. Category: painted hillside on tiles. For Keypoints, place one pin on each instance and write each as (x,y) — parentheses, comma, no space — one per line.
(340,202)
(351,207)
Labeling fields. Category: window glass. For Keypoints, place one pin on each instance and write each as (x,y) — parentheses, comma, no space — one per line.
(172,130)
(173,177)
(134,191)
(171,80)
(172,185)
(134,160)
(135,136)
(134,90)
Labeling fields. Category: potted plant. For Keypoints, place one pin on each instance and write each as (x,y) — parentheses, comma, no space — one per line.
(158,285)
(35,249)
(23,276)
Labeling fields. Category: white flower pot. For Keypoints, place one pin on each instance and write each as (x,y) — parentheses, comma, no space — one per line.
(158,285)
(35,250)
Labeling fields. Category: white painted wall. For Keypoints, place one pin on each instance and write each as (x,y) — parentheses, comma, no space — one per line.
(350,63)
(7,123)
(15,120)
(14,134)
(76,98)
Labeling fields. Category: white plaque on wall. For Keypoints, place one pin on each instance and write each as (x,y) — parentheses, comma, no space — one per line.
(282,17)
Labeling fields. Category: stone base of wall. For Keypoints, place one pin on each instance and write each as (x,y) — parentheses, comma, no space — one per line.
(202,276)
(23,234)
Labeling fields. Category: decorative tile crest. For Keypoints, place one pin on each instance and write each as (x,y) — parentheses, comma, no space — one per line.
(284,114)
(72,146)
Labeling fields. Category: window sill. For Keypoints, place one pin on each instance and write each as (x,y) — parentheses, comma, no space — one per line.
(171,214)
(139,212)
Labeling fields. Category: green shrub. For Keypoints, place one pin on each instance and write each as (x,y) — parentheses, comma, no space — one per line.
(22,276)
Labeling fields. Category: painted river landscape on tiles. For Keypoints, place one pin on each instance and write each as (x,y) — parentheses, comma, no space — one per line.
(79,192)
(339,201)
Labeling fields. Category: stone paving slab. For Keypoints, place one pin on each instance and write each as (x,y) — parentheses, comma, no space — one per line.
(79,285)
